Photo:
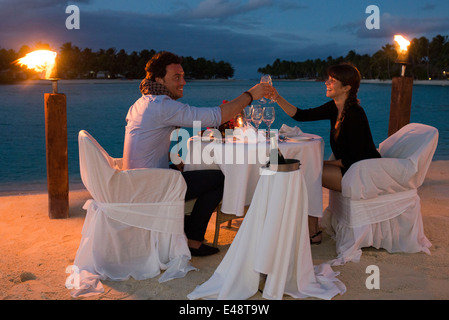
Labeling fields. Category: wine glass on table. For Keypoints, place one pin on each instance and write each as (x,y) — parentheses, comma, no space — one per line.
(247,111)
(268,117)
(266,79)
(257,115)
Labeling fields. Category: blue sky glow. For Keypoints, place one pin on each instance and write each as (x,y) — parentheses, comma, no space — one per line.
(247,33)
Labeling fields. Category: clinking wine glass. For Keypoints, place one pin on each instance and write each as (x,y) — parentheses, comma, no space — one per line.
(256,115)
(266,79)
(268,117)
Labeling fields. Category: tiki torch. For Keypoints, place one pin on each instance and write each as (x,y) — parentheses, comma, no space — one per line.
(43,61)
(401,89)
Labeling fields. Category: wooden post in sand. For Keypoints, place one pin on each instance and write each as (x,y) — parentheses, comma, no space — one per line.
(401,89)
(57,158)
(401,103)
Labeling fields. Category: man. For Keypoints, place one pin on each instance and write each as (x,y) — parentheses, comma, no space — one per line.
(150,122)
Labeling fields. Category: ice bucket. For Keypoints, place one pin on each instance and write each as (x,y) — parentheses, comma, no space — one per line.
(289,165)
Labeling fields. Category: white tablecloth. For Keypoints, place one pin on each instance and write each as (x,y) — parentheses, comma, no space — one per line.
(273,240)
(240,163)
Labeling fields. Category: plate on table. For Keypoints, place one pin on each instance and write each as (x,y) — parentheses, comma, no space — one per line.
(300,138)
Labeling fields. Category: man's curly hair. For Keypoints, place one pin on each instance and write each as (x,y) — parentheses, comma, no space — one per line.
(157,65)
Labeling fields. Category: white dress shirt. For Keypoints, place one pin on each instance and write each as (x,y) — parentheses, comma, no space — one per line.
(150,122)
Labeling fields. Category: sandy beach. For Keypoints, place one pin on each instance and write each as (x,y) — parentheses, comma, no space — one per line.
(35,252)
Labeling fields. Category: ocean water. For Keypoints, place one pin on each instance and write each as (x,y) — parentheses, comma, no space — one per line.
(100,108)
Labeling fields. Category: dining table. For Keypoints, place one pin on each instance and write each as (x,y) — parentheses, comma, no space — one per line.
(240,161)
(271,251)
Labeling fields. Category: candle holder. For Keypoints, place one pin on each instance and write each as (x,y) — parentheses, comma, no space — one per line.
(54,84)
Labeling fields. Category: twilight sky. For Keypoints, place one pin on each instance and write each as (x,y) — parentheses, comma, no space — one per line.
(247,33)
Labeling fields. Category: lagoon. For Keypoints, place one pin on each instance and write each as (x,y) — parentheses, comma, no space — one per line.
(100,107)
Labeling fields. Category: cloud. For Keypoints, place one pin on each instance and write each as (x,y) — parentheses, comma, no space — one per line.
(27,22)
(224,9)
(13,6)
(290,37)
(102,29)
(230,10)
(429,6)
(290,5)
(395,24)
(234,39)
(228,30)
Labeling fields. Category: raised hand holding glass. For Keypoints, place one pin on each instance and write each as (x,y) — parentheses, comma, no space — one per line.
(267,79)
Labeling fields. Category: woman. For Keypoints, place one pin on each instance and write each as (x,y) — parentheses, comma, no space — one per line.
(350,136)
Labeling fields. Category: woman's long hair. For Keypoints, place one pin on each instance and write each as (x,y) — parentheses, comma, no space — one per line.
(347,74)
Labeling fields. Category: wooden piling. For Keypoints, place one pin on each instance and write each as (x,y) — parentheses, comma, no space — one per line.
(401,103)
(57,157)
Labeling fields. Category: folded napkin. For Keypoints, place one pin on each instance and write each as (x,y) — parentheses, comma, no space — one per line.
(289,131)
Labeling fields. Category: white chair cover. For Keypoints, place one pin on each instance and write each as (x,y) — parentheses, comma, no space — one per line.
(379,205)
(273,240)
(134,225)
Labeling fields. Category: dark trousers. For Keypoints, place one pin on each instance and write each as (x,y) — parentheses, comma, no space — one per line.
(207,187)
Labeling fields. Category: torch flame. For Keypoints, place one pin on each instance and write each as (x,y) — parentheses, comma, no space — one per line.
(403,43)
(39,61)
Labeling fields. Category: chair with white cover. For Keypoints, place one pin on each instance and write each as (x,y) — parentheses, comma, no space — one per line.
(379,205)
(134,225)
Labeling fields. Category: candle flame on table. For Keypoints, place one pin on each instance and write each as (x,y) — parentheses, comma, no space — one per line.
(39,61)
(402,42)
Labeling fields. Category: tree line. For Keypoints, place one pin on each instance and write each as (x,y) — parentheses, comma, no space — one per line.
(75,63)
(426,60)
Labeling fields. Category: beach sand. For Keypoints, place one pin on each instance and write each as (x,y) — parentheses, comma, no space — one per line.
(35,252)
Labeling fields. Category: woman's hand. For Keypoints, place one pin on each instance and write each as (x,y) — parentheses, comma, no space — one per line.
(284,104)
(273,95)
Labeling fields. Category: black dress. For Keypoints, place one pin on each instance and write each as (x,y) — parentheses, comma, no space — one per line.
(355,141)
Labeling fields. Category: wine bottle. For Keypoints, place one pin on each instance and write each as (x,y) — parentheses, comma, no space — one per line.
(275,152)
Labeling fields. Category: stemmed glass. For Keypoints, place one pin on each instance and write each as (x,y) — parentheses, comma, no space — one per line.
(266,79)
(257,115)
(247,111)
(268,117)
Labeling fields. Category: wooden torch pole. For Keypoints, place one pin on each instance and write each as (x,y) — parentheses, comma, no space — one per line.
(56,152)
(401,103)
(401,90)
